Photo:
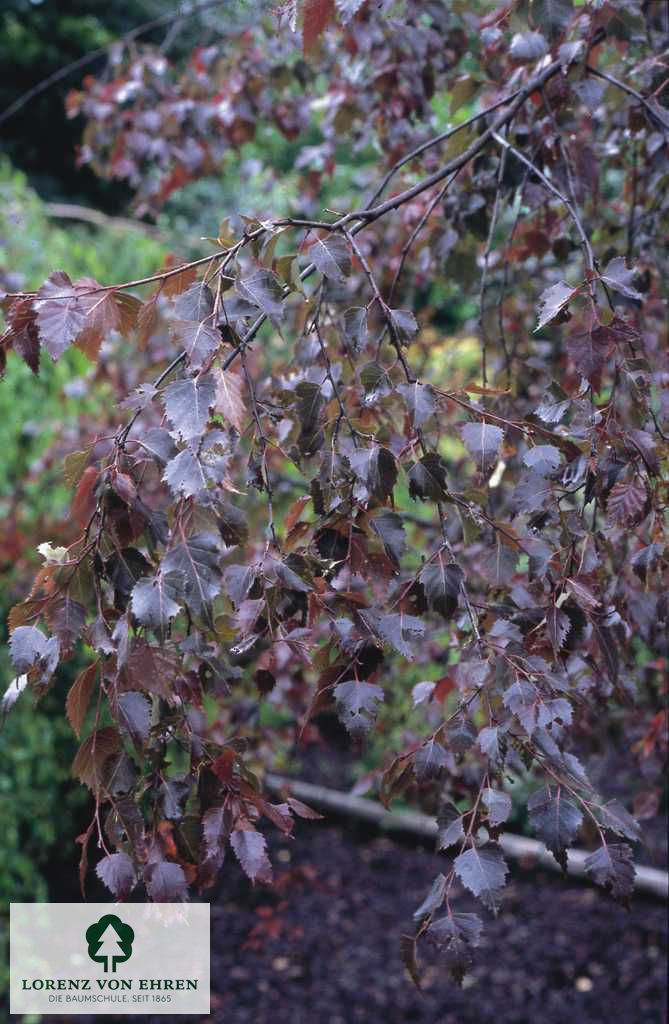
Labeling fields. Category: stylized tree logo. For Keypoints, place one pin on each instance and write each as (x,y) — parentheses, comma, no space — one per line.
(110,941)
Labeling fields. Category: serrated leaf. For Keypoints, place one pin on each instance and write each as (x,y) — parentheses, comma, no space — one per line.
(620,278)
(482,441)
(91,759)
(533,493)
(552,302)
(332,257)
(377,469)
(589,351)
(532,709)
(421,402)
(346,9)
(61,315)
(79,696)
(355,328)
(455,935)
(174,794)
(188,404)
(543,459)
(483,871)
(159,445)
(404,325)
(433,900)
(251,851)
(615,817)
(498,805)
(555,819)
(316,16)
(196,303)
(117,872)
(357,704)
(149,669)
(66,619)
(427,478)
(460,735)
(154,599)
(442,582)
(398,630)
(185,474)
(489,743)
(166,882)
(232,524)
(229,401)
(134,717)
(467,927)
(626,503)
(612,866)
(552,16)
(450,826)
(199,340)
(197,559)
(557,626)
(375,381)
(390,528)
(263,289)
(528,46)
(498,564)
(430,760)
(29,648)
(554,405)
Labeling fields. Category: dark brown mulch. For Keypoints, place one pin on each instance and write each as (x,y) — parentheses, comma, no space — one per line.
(322,946)
(559,951)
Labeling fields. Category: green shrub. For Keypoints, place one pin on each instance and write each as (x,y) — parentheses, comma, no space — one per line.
(41,807)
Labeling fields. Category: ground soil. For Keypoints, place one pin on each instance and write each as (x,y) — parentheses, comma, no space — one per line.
(322,947)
